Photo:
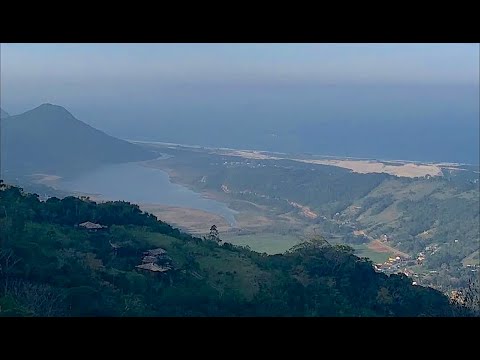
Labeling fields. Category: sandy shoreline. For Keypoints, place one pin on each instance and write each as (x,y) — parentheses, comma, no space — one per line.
(402,168)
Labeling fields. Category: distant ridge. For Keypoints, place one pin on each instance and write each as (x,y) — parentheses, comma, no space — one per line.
(49,139)
(3,113)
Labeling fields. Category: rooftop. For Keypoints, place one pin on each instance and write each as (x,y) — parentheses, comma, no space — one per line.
(155,252)
(90,225)
(153,267)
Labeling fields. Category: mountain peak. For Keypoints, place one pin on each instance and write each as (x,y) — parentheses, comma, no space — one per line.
(50,104)
(51,140)
(51,107)
(50,112)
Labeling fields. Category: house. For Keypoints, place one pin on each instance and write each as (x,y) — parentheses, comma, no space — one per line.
(155,252)
(156,256)
(153,267)
(156,260)
(149,259)
(92,226)
(114,246)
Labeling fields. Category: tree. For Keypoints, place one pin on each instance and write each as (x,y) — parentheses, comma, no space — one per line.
(38,299)
(213,235)
(8,260)
(469,298)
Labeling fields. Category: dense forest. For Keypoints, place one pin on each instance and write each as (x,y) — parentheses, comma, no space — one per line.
(50,265)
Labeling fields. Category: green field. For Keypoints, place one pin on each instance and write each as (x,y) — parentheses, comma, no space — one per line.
(376,257)
(270,243)
(472,259)
(223,268)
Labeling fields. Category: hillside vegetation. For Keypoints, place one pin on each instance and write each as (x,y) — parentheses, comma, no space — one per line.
(434,218)
(50,266)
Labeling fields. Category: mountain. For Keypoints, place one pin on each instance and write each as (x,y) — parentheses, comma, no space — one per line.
(74,257)
(49,139)
(3,113)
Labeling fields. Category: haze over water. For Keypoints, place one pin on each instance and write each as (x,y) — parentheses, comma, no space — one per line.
(387,101)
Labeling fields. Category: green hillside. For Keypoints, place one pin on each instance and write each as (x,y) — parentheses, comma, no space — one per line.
(435,218)
(49,139)
(51,266)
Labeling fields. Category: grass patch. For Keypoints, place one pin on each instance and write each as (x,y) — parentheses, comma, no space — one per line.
(472,259)
(418,269)
(226,270)
(270,243)
(377,257)
(221,268)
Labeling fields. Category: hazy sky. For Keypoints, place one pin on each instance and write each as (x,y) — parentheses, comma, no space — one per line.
(161,91)
(92,64)
(37,73)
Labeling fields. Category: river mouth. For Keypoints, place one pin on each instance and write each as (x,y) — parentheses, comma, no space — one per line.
(140,184)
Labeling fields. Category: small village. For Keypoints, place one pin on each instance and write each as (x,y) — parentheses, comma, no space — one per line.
(154,260)
(419,276)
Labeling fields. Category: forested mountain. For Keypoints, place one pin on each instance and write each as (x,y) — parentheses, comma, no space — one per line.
(49,139)
(74,257)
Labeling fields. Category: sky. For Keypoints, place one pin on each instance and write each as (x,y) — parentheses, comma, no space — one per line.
(154,91)
(37,73)
(81,64)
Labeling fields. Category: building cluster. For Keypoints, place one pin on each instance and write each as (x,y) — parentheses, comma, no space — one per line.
(156,260)
(428,251)
(232,164)
(457,297)
(396,264)
(473,267)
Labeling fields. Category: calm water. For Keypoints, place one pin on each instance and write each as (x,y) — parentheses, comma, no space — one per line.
(413,122)
(139,184)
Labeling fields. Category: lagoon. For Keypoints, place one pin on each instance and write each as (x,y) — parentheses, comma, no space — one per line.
(137,183)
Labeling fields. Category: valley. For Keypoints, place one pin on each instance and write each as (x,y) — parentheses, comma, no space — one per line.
(279,198)
(401,215)
(239,180)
